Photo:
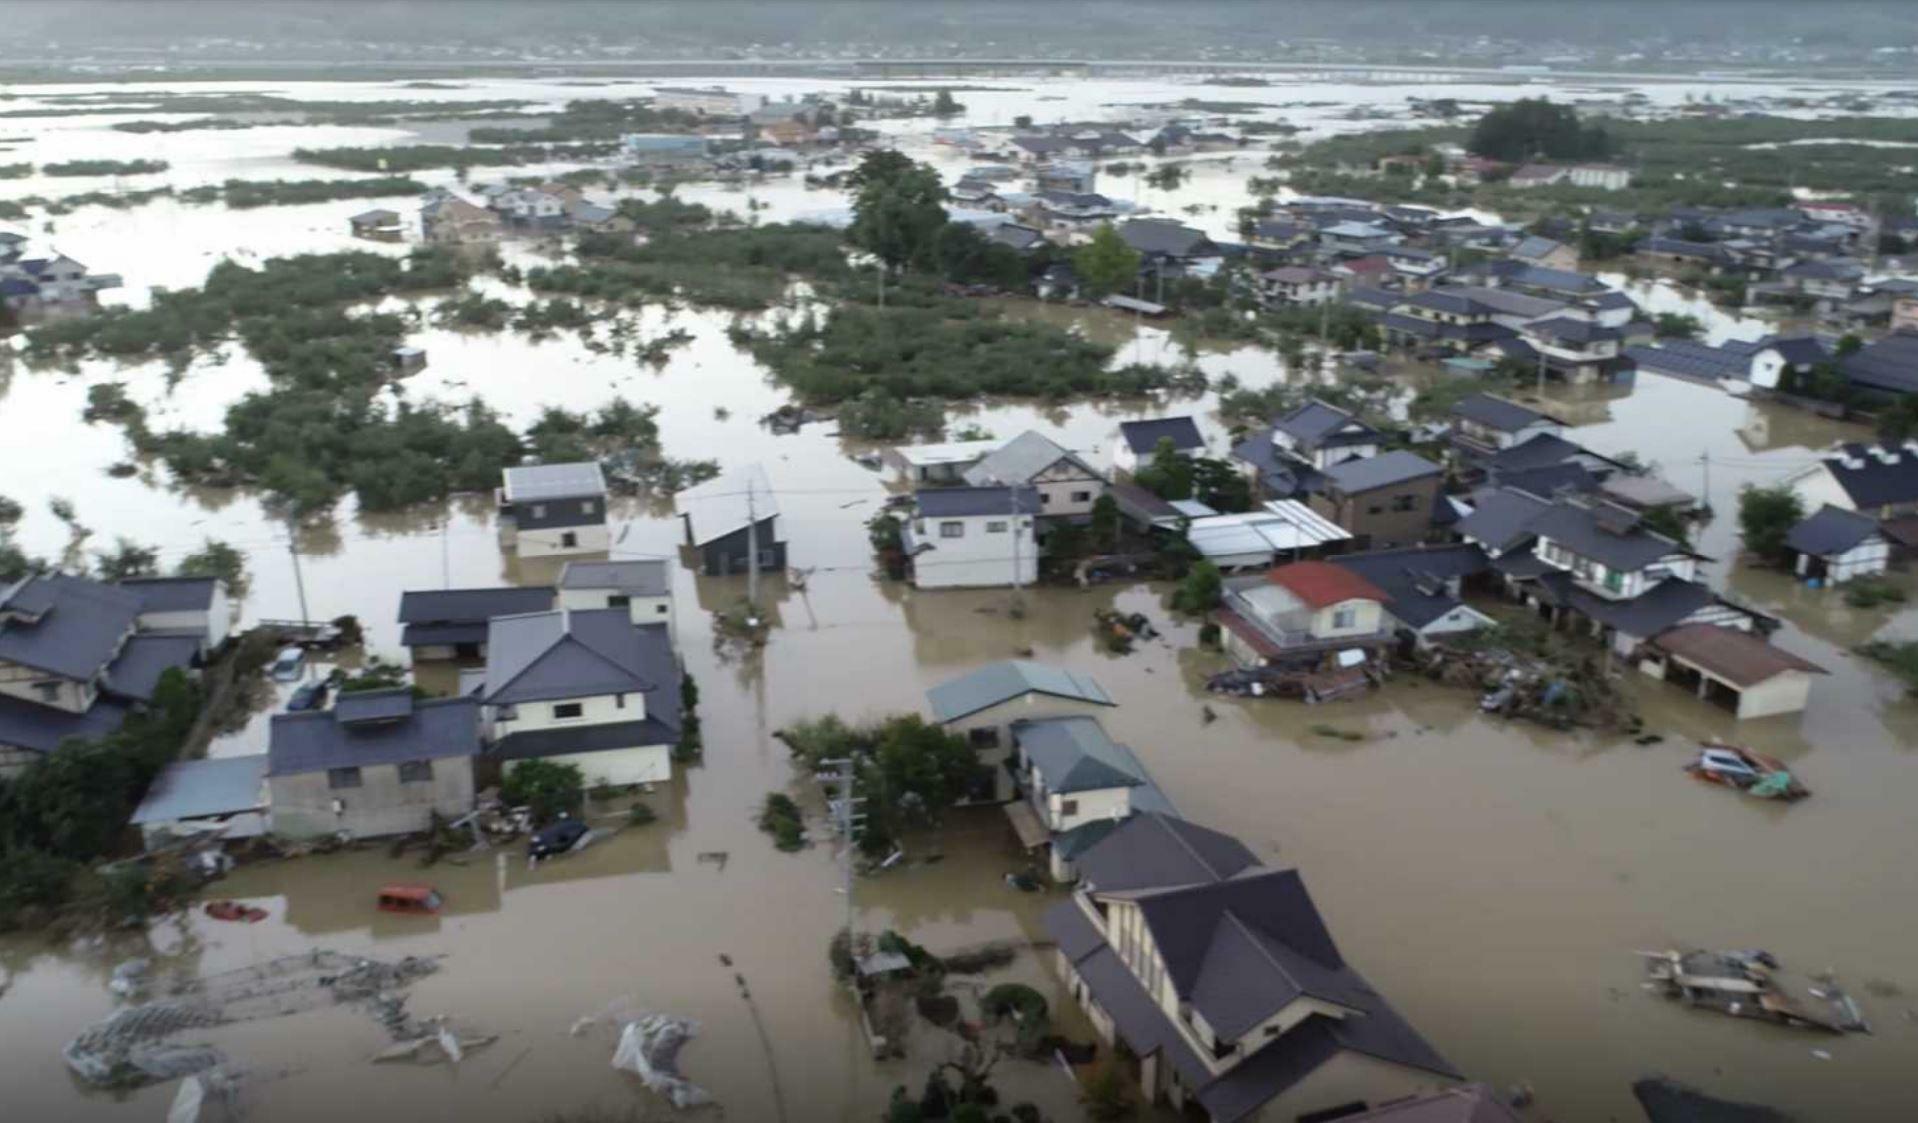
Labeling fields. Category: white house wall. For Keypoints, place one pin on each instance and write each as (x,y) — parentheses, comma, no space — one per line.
(549,541)
(640,764)
(602,709)
(1867,559)
(1089,807)
(643,610)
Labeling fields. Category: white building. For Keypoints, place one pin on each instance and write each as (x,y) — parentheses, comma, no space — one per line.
(984,705)
(641,586)
(195,606)
(711,101)
(971,537)
(1834,546)
(1067,485)
(588,688)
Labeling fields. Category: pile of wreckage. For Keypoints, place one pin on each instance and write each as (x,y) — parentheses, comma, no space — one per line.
(1750,984)
(1563,693)
(1309,685)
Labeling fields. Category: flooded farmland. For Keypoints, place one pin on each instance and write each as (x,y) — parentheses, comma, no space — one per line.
(1493,879)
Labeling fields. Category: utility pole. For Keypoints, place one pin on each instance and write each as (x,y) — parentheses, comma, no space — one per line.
(299,582)
(847,818)
(1018,606)
(752,546)
(1540,351)
(1705,460)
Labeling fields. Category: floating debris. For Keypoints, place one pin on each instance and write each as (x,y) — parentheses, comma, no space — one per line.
(1749,984)
(649,1048)
(1751,772)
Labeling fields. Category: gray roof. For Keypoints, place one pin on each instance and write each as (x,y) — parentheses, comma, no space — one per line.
(1499,413)
(43,728)
(1414,578)
(1021,458)
(362,707)
(315,740)
(647,577)
(1157,236)
(1466,1103)
(1384,470)
(969,502)
(1502,517)
(1889,365)
(1535,246)
(1569,329)
(136,672)
(1074,754)
(1143,437)
(1001,682)
(661,728)
(80,627)
(1150,850)
(173,594)
(1604,532)
(459,606)
(1691,359)
(533,482)
(1830,531)
(1663,606)
(1317,423)
(544,656)
(1876,482)
(194,789)
(727,504)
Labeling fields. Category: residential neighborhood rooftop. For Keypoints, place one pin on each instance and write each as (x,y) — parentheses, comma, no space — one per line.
(530,483)
(1003,681)
(1323,584)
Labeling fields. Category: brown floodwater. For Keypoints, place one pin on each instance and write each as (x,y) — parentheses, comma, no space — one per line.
(1493,879)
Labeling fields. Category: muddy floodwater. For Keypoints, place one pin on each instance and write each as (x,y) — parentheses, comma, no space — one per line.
(1493,879)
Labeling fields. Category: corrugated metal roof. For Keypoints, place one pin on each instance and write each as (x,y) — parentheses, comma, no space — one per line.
(1074,754)
(194,789)
(726,504)
(1003,681)
(534,482)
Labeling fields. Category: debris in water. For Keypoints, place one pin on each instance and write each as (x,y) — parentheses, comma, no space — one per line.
(581,1026)
(1748,984)
(450,1045)
(130,978)
(649,1048)
(1821,1054)
(186,1103)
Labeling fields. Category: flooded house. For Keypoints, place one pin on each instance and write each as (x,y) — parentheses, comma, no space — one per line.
(1285,459)
(1068,773)
(217,797)
(1294,286)
(1880,480)
(1833,546)
(982,705)
(1484,424)
(192,606)
(585,687)
(1424,587)
(732,523)
(1383,500)
(549,509)
(1538,250)
(378,225)
(1221,978)
(973,537)
(1732,669)
(1139,441)
(448,220)
(451,623)
(1299,613)
(641,586)
(944,463)
(76,661)
(1278,529)
(380,762)
(1066,484)
(56,283)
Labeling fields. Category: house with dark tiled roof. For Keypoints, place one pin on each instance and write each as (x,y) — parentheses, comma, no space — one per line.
(1833,545)
(1484,424)
(982,705)
(1221,977)
(588,688)
(1885,369)
(379,762)
(76,659)
(977,536)
(1879,480)
(440,624)
(1544,252)
(1139,441)
(1382,500)
(1423,586)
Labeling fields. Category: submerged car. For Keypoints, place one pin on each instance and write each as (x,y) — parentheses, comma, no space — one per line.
(308,697)
(286,665)
(556,839)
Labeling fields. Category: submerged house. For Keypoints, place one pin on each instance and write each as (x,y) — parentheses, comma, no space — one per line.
(1834,546)
(1070,776)
(380,762)
(729,519)
(75,661)
(1300,612)
(549,509)
(972,537)
(641,586)
(1067,486)
(983,705)
(1732,669)
(1880,480)
(451,623)
(1139,441)
(1484,424)
(1221,978)
(589,688)
(215,797)
(1384,500)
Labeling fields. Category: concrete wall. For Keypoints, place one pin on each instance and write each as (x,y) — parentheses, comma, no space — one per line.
(1785,693)
(381,805)
(1061,488)
(640,764)
(1088,807)
(548,541)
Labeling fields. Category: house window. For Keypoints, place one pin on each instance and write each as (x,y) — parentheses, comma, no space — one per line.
(416,772)
(506,713)
(660,610)
(619,701)
(337,778)
(1045,499)
(1345,617)
(617,600)
(564,710)
(952,529)
(1375,509)
(586,506)
(1068,807)
(48,691)
(996,526)
(568,538)
(539,510)
(987,738)
(1082,497)
(1405,503)
(1614,580)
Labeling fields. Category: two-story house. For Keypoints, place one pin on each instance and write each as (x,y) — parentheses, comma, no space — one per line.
(1383,500)
(641,586)
(1073,782)
(380,762)
(551,509)
(75,662)
(732,523)
(973,537)
(447,219)
(1297,613)
(983,704)
(1483,424)
(438,624)
(1286,458)
(1221,977)
(1577,350)
(1880,480)
(1139,441)
(587,687)
(1293,286)
(1067,485)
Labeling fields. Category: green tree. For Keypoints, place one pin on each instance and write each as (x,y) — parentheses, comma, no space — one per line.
(127,559)
(216,559)
(1220,486)
(1169,475)
(898,208)
(1199,592)
(548,787)
(1898,421)
(1105,264)
(1105,522)
(1535,128)
(1668,522)
(943,105)
(1677,325)
(1765,516)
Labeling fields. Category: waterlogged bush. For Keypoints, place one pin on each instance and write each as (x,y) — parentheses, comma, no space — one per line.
(246,193)
(105,167)
(418,157)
